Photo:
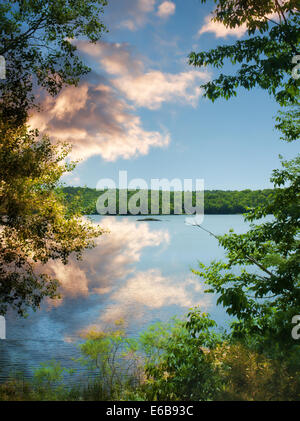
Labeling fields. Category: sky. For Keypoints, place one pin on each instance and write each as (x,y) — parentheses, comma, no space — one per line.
(141,109)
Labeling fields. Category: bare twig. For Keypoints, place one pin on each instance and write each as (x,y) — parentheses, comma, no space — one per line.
(250,258)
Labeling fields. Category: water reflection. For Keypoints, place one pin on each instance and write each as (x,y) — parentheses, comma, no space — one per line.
(140,271)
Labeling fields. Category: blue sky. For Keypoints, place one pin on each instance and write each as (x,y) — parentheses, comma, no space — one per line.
(141,110)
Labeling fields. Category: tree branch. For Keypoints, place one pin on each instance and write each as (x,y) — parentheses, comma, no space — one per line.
(250,258)
(22,37)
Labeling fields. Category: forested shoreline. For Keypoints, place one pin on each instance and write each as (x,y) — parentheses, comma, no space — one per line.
(216,202)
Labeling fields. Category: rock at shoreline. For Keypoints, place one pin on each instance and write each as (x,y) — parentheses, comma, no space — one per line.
(148,219)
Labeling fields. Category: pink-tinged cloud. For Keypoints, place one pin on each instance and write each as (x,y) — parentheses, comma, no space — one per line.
(98,117)
(114,58)
(154,88)
(145,88)
(166,9)
(96,122)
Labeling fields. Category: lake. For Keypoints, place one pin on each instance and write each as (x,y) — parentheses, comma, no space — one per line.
(140,271)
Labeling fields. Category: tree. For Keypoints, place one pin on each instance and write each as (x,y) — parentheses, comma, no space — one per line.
(35,225)
(259,283)
(266,59)
(36,41)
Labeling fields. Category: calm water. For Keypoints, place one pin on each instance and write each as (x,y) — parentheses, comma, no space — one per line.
(140,272)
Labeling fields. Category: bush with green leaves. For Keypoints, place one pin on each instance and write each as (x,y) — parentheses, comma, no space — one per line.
(49,381)
(176,363)
(112,360)
(184,359)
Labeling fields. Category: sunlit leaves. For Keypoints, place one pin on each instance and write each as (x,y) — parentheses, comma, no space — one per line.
(35,225)
(264,296)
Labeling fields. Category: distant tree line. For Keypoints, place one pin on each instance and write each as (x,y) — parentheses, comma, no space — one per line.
(215,201)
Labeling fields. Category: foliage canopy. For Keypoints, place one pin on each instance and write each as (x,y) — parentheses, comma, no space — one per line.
(36,40)
(259,283)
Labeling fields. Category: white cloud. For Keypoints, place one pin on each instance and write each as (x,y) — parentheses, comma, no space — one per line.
(220,30)
(114,58)
(146,6)
(151,290)
(166,9)
(137,12)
